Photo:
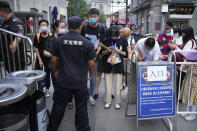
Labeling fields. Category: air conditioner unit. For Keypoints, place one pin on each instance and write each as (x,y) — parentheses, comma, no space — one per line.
(164,8)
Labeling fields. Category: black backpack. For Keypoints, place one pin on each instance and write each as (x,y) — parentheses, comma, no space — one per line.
(100,29)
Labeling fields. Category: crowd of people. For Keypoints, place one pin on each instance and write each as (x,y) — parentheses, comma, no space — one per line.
(77,47)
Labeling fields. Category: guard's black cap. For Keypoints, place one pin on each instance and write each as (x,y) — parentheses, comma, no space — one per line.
(4,4)
(74,22)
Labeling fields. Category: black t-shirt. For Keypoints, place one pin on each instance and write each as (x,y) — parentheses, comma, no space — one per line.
(74,52)
(93,32)
(43,44)
(121,44)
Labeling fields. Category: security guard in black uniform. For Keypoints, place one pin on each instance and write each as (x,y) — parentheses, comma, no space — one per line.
(76,55)
(13,24)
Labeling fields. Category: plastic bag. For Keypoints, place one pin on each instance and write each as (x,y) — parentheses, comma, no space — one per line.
(114,58)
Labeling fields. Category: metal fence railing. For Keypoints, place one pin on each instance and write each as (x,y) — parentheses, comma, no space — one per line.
(183,108)
(21,59)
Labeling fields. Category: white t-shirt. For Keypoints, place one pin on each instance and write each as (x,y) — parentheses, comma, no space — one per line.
(149,55)
(178,40)
(188,46)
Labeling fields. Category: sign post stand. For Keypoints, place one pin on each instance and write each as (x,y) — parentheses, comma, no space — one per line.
(156,92)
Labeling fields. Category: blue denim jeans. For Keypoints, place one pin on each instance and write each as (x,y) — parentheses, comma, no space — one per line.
(93,83)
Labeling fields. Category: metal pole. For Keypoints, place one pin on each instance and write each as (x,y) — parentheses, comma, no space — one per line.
(15,6)
(76,8)
(127,11)
(112,12)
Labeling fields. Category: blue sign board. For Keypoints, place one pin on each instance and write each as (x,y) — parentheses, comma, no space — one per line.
(156,99)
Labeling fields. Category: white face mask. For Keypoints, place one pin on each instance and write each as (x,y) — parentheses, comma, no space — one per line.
(62,31)
(43,29)
(176,35)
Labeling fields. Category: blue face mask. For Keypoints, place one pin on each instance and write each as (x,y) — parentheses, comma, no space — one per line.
(176,35)
(137,33)
(43,29)
(168,34)
(62,31)
(93,20)
(2,19)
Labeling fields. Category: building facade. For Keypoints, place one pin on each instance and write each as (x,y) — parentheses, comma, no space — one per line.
(153,14)
(104,5)
(31,11)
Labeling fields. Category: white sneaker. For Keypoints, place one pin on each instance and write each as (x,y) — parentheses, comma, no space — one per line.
(184,115)
(47,93)
(91,101)
(117,106)
(190,117)
(107,105)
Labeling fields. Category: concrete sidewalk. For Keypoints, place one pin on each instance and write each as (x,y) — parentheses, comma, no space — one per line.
(115,120)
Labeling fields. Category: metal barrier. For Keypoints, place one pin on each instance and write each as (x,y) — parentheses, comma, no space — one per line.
(173,55)
(15,61)
(136,98)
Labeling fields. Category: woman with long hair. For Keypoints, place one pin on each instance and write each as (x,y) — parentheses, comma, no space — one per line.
(59,28)
(113,65)
(189,43)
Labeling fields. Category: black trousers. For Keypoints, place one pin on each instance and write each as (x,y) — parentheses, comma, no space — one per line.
(183,74)
(61,100)
(47,70)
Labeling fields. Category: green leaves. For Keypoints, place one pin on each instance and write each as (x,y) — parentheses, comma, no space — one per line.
(81,9)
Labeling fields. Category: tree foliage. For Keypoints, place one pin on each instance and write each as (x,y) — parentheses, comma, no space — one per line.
(102,16)
(82,9)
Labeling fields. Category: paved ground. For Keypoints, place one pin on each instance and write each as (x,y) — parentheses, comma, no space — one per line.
(113,120)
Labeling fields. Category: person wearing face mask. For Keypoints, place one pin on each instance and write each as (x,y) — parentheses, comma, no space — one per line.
(136,35)
(113,65)
(11,23)
(60,28)
(95,32)
(178,39)
(166,38)
(189,43)
(42,43)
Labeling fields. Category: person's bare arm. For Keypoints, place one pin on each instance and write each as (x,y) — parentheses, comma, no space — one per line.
(99,49)
(120,52)
(140,56)
(185,67)
(54,65)
(130,53)
(92,67)
(47,54)
(39,58)
(14,44)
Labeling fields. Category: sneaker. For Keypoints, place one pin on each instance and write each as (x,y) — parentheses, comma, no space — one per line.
(47,93)
(190,117)
(70,105)
(95,96)
(91,101)
(117,106)
(184,115)
(107,105)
